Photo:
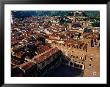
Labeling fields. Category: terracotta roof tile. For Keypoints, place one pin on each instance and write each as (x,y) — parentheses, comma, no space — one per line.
(39,58)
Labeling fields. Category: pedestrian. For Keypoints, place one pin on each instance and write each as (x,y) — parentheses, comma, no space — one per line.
(92,45)
(86,46)
(85,57)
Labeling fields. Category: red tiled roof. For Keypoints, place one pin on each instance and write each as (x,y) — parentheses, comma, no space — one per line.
(39,58)
(45,55)
(27,65)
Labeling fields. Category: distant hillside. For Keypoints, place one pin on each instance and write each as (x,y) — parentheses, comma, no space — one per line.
(22,14)
(92,13)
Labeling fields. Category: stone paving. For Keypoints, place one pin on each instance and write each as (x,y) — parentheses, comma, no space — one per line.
(92,62)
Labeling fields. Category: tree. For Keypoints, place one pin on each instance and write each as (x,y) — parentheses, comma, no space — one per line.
(96,24)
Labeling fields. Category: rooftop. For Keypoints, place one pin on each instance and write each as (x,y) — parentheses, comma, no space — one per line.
(39,58)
